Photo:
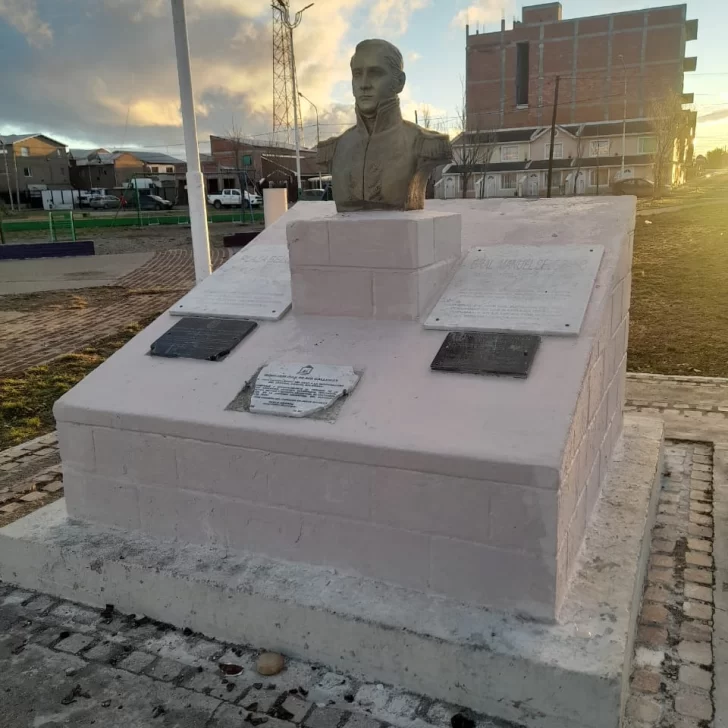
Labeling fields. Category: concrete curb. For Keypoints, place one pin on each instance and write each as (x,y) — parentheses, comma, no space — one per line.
(720,615)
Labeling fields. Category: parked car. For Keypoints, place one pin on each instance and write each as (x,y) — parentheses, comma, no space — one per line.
(154,202)
(85,196)
(232,198)
(633,186)
(104,202)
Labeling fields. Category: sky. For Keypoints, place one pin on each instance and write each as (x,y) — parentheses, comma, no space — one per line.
(102,73)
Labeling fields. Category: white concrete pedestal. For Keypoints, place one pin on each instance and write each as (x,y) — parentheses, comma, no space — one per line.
(381,265)
(475,488)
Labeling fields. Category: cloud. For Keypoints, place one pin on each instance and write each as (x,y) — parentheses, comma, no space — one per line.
(393,16)
(413,56)
(23,16)
(713,116)
(111,75)
(485,11)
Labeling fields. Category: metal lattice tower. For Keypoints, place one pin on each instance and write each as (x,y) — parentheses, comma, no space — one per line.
(282,74)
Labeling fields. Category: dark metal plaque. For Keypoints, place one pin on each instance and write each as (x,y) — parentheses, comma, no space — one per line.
(202,338)
(478,352)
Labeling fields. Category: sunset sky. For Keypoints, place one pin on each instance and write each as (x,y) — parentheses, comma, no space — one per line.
(102,72)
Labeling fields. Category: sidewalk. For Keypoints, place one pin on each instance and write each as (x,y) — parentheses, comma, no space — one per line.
(53,274)
(39,335)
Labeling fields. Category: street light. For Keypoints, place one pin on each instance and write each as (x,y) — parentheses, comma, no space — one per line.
(318,131)
(282,8)
(624,115)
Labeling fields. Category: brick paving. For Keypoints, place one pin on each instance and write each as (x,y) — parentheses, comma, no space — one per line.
(65,664)
(30,477)
(672,679)
(42,335)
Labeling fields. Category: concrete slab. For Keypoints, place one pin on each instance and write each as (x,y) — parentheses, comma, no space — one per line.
(720,615)
(54,274)
(567,675)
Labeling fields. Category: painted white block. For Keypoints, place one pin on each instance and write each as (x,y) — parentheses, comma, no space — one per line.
(332,291)
(275,204)
(308,242)
(537,289)
(254,284)
(397,240)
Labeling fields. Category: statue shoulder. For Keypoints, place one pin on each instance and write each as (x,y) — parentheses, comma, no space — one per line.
(433,145)
(326,150)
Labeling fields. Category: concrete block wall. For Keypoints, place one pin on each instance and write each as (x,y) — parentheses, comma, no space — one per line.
(596,423)
(490,543)
(374,265)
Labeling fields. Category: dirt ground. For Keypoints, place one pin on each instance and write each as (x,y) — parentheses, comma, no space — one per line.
(679,314)
(109,241)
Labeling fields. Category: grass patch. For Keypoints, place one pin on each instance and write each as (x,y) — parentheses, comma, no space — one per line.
(679,314)
(26,401)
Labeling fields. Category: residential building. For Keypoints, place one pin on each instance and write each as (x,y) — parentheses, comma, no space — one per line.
(92,168)
(610,71)
(511,74)
(588,158)
(249,153)
(30,163)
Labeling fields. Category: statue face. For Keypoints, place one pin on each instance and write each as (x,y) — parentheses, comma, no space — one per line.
(373,80)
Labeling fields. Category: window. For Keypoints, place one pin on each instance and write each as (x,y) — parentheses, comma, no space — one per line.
(558,150)
(508,181)
(557,178)
(599,148)
(155,170)
(509,153)
(599,177)
(27,172)
(24,152)
(648,145)
(522,54)
(247,160)
(170,170)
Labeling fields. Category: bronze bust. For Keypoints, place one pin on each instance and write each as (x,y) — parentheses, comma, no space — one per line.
(384,162)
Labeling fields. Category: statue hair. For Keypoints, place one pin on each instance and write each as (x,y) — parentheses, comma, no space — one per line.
(392,54)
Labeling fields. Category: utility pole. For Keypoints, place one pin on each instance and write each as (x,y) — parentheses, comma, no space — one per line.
(291,25)
(7,176)
(624,120)
(553,137)
(195,183)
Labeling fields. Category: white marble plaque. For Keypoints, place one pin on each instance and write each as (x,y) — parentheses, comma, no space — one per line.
(254,284)
(300,390)
(537,289)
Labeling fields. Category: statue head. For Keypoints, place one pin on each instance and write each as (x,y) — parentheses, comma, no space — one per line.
(377,74)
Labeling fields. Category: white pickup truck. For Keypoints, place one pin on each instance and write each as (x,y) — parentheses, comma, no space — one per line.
(231,198)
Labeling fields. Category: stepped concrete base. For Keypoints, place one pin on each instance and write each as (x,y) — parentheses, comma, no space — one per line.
(568,675)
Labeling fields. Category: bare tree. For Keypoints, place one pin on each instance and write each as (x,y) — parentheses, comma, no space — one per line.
(579,155)
(473,148)
(426,116)
(236,137)
(670,124)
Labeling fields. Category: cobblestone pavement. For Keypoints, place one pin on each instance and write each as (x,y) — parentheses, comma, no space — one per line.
(30,477)
(160,676)
(43,334)
(62,664)
(672,678)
